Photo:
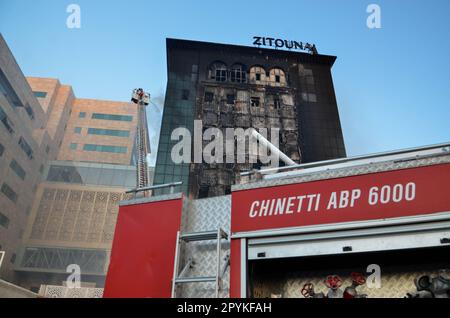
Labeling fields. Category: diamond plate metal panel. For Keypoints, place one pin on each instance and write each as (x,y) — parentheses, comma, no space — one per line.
(346,172)
(205,215)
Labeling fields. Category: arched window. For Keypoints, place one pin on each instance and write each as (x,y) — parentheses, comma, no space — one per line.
(218,71)
(257,75)
(277,77)
(238,73)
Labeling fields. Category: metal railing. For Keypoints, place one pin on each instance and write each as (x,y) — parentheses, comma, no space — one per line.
(444,149)
(171,186)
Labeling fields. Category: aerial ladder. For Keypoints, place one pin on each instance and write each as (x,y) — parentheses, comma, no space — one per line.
(142,147)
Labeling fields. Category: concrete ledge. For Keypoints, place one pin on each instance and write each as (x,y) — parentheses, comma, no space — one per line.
(164,197)
(8,290)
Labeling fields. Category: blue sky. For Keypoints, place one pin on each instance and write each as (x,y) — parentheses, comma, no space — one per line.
(392,84)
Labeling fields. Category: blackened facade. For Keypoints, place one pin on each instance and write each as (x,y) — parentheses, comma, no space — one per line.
(241,87)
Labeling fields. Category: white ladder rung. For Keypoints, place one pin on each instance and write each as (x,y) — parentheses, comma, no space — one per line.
(185,280)
(178,278)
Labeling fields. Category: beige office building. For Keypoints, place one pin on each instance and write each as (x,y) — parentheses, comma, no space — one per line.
(63,211)
(25,146)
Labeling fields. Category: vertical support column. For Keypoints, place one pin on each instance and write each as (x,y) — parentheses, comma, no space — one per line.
(238,268)
(176,266)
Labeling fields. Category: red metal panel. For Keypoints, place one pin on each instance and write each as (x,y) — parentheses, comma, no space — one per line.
(408,192)
(143,252)
(235,268)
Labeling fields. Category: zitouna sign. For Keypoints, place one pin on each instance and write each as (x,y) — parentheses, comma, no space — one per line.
(284,44)
(383,195)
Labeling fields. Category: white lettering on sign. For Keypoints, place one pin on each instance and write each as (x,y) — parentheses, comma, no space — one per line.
(287,205)
(343,199)
(397,193)
(337,200)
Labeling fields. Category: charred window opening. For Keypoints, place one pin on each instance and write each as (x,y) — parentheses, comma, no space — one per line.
(254,101)
(218,72)
(276,103)
(258,75)
(209,97)
(238,73)
(221,75)
(231,99)
(277,77)
(203,192)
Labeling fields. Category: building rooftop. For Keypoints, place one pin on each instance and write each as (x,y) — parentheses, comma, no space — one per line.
(196,45)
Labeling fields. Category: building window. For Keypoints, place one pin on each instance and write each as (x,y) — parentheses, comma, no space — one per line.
(185,94)
(109,132)
(8,91)
(221,75)
(4,220)
(82,115)
(5,120)
(277,77)
(121,176)
(73,146)
(218,71)
(2,150)
(257,75)
(26,148)
(18,170)
(9,193)
(238,73)
(78,130)
(40,94)
(230,99)
(254,101)
(29,111)
(276,103)
(47,149)
(105,148)
(112,117)
(209,97)
(203,192)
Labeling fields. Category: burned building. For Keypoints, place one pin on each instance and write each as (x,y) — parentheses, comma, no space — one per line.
(229,86)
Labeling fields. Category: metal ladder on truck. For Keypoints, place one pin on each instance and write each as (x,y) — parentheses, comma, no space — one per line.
(179,277)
